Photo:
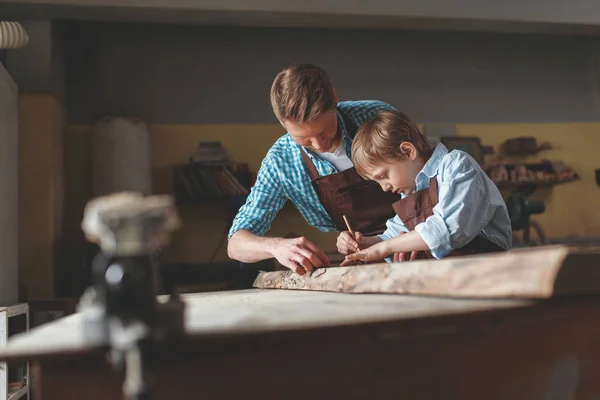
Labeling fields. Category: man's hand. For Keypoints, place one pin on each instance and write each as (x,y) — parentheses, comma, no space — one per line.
(299,254)
(347,244)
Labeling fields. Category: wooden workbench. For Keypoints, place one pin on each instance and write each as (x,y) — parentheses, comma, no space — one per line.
(299,344)
(277,344)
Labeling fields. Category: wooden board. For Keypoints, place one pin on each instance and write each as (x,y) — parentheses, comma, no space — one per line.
(251,312)
(539,272)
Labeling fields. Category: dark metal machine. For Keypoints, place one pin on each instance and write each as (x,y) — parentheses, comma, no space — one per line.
(121,308)
(521,208)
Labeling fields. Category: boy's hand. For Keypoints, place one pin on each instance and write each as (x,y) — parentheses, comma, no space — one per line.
(374,253)
(346,244)
(399,257)
(405,256)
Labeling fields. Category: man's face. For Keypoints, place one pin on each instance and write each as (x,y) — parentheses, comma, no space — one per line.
(319,135)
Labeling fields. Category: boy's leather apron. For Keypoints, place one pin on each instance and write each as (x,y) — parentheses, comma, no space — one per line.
(363,202)
(417,207)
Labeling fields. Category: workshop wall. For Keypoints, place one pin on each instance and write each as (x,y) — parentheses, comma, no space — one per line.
(570,209)
(202,83)
(41,191)
(9,196)
(211,75)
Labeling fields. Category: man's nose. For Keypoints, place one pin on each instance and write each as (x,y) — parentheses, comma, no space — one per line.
(318,144)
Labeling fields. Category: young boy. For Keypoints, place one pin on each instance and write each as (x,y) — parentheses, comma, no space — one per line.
(448,204)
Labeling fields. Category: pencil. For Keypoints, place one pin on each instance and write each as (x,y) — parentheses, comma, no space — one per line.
(352,233)
(350,228)
(348,225)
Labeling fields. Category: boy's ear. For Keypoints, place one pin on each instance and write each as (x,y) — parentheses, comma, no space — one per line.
(409,150)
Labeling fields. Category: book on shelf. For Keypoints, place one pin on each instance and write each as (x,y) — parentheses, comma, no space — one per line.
(210,174)
(210,153)
(197,182)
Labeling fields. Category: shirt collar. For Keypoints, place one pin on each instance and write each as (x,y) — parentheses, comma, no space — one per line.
(432,165)
(341,129)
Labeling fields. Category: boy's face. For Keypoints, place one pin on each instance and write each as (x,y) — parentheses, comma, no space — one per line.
(319,135)
(398,176)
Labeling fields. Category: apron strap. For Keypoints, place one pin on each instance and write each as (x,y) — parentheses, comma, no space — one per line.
(309,165)
(433,189)
(351,129)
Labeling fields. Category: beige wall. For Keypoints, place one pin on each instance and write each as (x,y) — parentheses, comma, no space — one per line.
(570,207)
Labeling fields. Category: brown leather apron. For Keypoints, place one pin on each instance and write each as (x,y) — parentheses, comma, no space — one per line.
(418,206)
(363,202)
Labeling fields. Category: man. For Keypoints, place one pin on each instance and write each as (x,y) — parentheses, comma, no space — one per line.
(310,165)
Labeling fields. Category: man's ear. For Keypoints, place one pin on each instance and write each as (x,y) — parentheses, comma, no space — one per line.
(282,122)
(409,150)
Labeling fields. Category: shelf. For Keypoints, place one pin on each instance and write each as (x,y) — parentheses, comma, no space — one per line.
(546,173)
(19,393)
(200,184)
(508,184)
(18,309)
(233,201)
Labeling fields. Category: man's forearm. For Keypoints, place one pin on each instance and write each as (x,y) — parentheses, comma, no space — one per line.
(247,247)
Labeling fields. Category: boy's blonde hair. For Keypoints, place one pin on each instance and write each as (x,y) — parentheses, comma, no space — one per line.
(301,93)
(378,140)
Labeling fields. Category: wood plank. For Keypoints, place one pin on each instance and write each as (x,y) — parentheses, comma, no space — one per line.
(540,272)
(217,315)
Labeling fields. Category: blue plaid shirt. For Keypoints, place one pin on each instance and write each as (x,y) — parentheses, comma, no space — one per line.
(282,176)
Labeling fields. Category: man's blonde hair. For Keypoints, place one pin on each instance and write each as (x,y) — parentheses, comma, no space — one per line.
(378,140)
(301,93)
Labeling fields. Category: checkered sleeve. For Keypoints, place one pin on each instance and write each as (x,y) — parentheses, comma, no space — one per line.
(263,203)
(361,111)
